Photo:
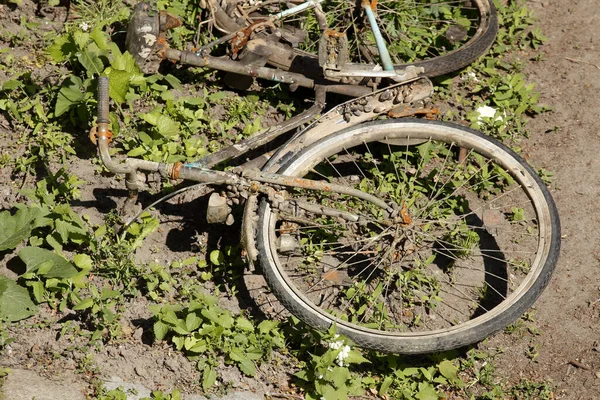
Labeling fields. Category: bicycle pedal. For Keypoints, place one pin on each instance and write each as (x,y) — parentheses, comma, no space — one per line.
(333,50)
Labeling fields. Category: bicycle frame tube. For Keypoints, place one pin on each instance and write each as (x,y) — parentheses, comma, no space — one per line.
(386,60)
(294,10)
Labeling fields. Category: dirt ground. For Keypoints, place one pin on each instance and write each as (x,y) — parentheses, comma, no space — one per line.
(567,316)
(567,141)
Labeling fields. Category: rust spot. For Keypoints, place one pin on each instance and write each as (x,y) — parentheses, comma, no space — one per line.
(242,37)
(161,46)
(429,113)
(94,136)
(333,33)
(406,219)
(337,277)
(239,41)
(168,21)
(288,228)
(176,170)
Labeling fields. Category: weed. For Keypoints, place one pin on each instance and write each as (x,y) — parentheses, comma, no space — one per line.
(204,331)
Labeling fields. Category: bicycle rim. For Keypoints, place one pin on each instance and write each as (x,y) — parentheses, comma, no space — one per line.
(474,241)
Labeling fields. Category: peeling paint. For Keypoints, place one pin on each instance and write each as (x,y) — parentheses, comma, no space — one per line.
(145,52)
(144,29)
(150,39)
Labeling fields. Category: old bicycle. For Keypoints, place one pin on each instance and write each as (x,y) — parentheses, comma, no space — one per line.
(412,236)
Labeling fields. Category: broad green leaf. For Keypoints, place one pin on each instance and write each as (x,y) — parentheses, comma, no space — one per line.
(38,290)
(90,59)
(178,341)
(136,152)
(302,375)
(69,95)
(84,304)
(340,375)
(166,126)
(237,354)
(15,303)
(211,314)
(225,320)
(426,392)
(247,367)
(173,81)
(266,326)
(62,48)
(118,84)
(160,330)
(450,372)
(109,294)
(192,322)
(16,228)
(385,385)
(83,261)
(330,393)
(125,62)
(218,96)
(244,324)
(81,39)
(216,257)
(354,357)
(100,38)
(209,377)
(34,257)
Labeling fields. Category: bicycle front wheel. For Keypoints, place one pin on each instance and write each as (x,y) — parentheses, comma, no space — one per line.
(471,244)
(441,36)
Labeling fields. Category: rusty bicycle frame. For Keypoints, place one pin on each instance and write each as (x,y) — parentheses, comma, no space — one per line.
(146,37)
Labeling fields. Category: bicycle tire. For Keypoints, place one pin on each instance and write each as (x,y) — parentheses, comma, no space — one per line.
(478,43)
(292,276)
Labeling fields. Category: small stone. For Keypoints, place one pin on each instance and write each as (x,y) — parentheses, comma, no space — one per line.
(137,335)
(170,364)
(140,371)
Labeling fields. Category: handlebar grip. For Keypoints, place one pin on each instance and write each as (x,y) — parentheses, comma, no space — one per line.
(103,100)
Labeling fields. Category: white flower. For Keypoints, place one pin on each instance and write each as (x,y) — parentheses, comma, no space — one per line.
(84,26)
(342,355)
(487,112)
(470,76)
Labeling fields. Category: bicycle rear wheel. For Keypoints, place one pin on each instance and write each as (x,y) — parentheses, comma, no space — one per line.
(441,36)
(473,242)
